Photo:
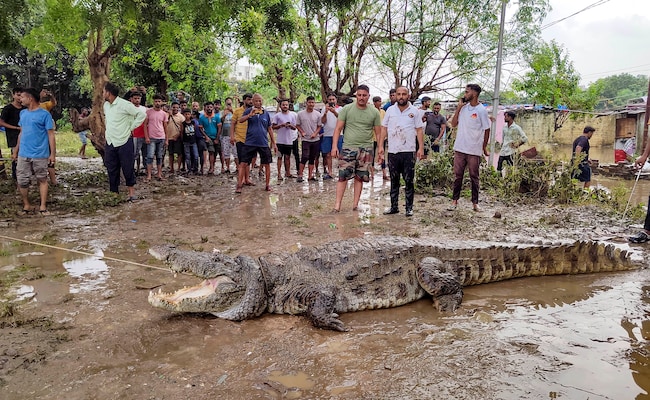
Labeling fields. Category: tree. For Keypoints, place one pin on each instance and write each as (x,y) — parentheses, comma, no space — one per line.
(100,30)
(435,45)
(335,38)
(553,81)
(617,90)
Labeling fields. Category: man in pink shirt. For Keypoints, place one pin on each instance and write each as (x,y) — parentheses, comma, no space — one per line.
(155,127)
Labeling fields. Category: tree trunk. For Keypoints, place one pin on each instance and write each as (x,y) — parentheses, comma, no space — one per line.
(100,64)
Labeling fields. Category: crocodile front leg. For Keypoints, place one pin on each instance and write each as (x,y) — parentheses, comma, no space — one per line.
(445,288)
(316,303)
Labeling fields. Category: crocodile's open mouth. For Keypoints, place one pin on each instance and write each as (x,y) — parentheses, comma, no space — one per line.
(212,295)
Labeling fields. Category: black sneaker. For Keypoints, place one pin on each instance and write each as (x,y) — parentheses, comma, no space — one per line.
(391,210)
(409,212)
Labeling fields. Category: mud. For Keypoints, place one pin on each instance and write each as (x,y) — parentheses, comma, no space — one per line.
(87,331)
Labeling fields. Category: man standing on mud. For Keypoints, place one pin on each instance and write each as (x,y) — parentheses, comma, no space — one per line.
(122,117)
(238,134)
(402,125)
(644,235)
(355,159)
(258,134)
(36,149)
(472,138)
(581,149)
(9,120)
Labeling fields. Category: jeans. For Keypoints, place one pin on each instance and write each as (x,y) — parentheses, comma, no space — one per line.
(191,157)
(402,164)
(471,162)
(156,147)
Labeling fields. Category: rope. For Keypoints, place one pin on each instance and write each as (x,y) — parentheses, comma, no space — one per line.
(84,253)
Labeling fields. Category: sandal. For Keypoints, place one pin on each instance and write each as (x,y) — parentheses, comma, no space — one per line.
(238,190)
(25,213)
(44,213)
(640,237)
(452,207)
(268,188)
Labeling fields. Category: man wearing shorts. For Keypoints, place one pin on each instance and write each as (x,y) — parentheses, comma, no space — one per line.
(238,132)
(210,123)
(9,120)
(175,137)
(227,149)
(36,149)
(330,114)
(284,123)
(155,127)
(581,149)
(308,124)
(258,134)
(355,160)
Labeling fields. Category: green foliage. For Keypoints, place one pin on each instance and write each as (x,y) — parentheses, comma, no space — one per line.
(434,173)
(553,80)
(616,90)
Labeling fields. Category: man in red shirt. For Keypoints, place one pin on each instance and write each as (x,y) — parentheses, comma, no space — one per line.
(140,146)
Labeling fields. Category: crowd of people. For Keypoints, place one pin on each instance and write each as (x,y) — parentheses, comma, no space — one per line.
(191,137)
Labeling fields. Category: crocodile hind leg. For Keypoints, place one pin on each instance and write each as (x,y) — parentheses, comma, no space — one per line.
(445,288)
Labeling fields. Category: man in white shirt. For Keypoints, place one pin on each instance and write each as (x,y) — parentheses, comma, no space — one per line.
(472,138)
(402,125)
(284,124)
(330,116)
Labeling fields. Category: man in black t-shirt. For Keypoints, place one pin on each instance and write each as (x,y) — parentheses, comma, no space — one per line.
(436,127)
(581,146)
(9,119)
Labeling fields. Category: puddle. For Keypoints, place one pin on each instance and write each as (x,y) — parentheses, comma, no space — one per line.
(90,273)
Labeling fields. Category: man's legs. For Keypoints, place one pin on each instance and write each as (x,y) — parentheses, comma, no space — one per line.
(280,158)
(340,191)
(408,170)
(112,163)
(160,155)
(171,148)
(125,155)
(151,151)
(296,153)
(394,169)
(460,162)
(358,187)
(473,163)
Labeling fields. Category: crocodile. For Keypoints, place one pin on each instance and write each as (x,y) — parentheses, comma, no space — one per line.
(320,282)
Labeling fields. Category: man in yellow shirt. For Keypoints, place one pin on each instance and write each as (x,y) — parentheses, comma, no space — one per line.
(238,135)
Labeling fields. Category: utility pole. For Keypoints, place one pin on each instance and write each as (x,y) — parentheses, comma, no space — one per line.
(497,84)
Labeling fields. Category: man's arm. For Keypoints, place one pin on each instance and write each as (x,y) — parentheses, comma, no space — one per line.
(420,136)
(454,119)
(335,139)
(52,141)
(486,140)
(146,131)
(640,162)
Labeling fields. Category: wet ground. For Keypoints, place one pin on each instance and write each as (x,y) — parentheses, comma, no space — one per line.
(86,331)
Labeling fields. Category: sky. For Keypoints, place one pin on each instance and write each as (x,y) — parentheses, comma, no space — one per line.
(607,39)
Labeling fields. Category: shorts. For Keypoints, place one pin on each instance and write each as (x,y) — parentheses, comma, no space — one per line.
(83,137)
(228,149)
(285,149)
(200,145)
(355,163)
(583,174)
(212,147)
(240,149)
(326,144)
(249,152)
(175,147)
(26,166)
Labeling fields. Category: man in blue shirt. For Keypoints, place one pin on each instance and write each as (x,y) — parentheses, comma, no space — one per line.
(258,134)
(210,123)
(36,149)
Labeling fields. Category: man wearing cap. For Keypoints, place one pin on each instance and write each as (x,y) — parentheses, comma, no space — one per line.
(581,151)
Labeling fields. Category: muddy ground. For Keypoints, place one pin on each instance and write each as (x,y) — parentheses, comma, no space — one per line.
(89,333)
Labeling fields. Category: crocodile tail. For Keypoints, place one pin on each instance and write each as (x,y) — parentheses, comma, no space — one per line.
(496,263)
(254,301)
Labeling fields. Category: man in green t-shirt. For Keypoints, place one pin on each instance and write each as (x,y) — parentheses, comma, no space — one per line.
(355,160)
